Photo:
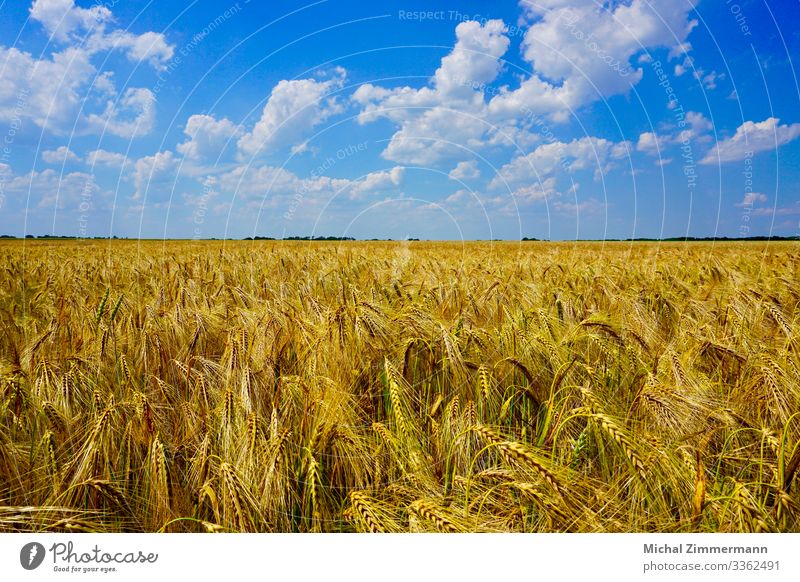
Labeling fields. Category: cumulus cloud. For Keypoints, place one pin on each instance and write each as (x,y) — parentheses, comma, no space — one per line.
(473,62)
(263,185)
(440,134)
(208,137)
(376,183)
(751,138)
(52,189)
(650,143)
(465,171)
(106,158)
(63,20)
(152,172)
(46,91)
(581,54)
(437,121)
(53,91)
(149,47)
(60,155)
(68,23)
(293,109)
(257,186)
(695,128)
(536,191)
(547,159)
(459,196)
(131,116)
(533,177)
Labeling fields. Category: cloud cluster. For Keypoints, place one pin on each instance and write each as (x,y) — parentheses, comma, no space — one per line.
(55,88)
(438,121)
(60,155)
(208,137)
(751,138)
(696,129)
(533,177)
(292,110)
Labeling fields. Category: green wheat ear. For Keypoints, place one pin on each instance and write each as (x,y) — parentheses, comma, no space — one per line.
(116,307)
(102,308)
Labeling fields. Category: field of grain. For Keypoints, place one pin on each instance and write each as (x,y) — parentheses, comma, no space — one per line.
(399,387)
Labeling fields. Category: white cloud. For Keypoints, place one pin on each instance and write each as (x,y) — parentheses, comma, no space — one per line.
(377,183)
(255,186)
(782,211)
(68,23)
(50,188)
(582,53)
(208,137)
(131,116)
(55,91)
(149,47)
(151,172)
(47,91)
(293,109)
(106,158)
(62,19)
(679,49)
(473,62)
(437,135)
(437,122)
(751,138)
(650,143)
(104,85)
(696,128)
(460,195)
(710,80)
(277,184)
(465,171)
(536,191)
(752,198)
(545,160)
(579,54)
(60,155)
(533,176)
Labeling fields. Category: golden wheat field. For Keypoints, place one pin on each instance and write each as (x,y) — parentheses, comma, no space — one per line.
(262,386)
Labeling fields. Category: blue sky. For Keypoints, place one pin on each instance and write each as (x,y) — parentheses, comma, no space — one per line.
(444,120)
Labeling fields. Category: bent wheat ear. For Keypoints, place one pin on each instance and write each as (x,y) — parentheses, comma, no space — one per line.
(432,513)
(619,436)
(514,452)
(361,505)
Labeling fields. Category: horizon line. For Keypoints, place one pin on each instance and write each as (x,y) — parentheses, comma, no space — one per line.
(757,238)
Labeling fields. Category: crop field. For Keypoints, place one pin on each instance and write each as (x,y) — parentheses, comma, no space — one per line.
(268,386)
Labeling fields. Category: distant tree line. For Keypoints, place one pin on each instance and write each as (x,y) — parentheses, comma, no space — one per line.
(524,239)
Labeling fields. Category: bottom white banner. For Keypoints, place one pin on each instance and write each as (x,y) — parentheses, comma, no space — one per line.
(332,557)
